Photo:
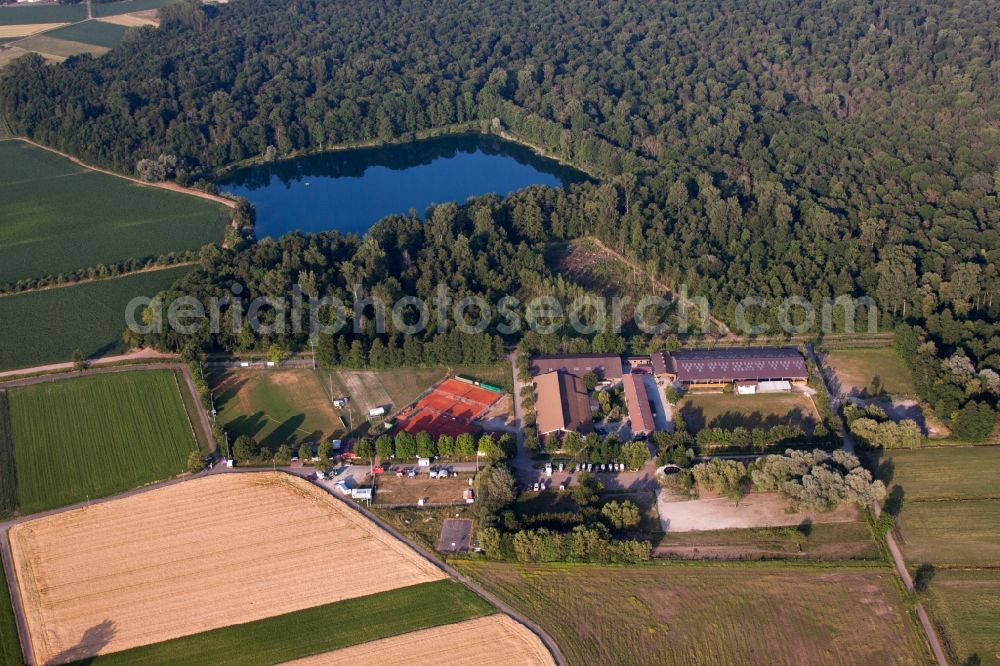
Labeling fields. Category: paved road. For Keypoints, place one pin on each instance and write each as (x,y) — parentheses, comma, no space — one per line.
(104,360)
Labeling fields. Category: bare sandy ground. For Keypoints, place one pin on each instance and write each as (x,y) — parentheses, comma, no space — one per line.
(755,510)
(487,641)
(195,556)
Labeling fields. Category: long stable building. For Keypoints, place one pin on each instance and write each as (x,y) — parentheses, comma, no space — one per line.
(640,413)
(563,403)
(606,367)
(718,367)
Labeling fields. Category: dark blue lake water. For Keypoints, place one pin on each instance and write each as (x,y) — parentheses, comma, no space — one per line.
(352,189)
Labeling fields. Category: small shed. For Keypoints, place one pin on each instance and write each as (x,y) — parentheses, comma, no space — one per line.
(423,462)
(362,493)
(746,388)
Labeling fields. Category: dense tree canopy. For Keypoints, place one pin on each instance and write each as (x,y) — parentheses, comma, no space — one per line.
(807,149)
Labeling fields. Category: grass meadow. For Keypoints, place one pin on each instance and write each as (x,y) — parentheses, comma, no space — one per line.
(46,326)
(765,410)
(857,371)
(97,435)
(711,614)
(942,473)
(966,605)
(954,533)
(97,33)
(61,217)
(315,630)
(10,645)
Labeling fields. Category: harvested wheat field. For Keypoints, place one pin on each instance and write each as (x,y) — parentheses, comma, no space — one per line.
(147,568)
(129,20)
(485,641)
(24,29)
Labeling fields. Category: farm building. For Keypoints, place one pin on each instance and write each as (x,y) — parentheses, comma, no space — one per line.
(563,404)
(719,367)
(640,413)
(606,367)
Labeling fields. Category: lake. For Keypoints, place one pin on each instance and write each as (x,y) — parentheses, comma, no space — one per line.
(350,190)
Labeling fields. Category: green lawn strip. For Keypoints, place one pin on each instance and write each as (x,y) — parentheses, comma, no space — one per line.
(966,605)
(97,33)
(46,326)
(316,630)
(21,15)
(96,436)
(10,645)
(193,408)
(60,217)
(8,472)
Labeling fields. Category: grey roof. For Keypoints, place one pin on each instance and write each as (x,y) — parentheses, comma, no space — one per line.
(736,364)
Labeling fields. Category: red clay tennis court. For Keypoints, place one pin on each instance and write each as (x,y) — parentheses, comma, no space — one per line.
(449,408)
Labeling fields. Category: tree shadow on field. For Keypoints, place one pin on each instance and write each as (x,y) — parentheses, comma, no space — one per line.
(248,425)
(91,643)
(287,432)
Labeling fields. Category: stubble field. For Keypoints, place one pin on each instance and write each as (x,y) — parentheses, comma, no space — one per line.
(145,569)
(496,639)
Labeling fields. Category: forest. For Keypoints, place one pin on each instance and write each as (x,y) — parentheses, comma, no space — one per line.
(785,149)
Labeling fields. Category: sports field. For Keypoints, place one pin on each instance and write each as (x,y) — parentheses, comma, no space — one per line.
(765,410)
(314,630)
(966,605)
(711,614)
(859,371)
(965,532)
(95,436)
(10,646)
(97,33)
(496,639)
(61,217)
(276,406)
(146,568)
(943,473)
(46,326)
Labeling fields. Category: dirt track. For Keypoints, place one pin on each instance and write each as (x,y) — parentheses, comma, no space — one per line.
(485,641)
(146,568)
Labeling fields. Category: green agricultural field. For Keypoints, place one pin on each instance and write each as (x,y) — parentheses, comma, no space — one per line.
(46,326)
(942,473)
(96,436)
(276,407)
(10,646)
(962,533)
(97,33)
(315,630)
(59,217)
(765,410)
(127,6)
(710,614)
(866,371)
(966,605)
(42,14)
